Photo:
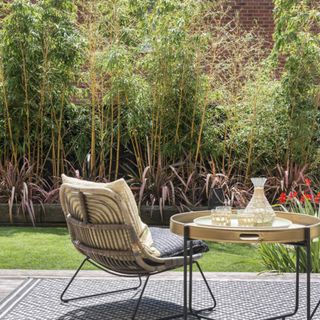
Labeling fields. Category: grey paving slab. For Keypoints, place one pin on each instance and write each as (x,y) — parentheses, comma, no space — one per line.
(11,279)
(248,276)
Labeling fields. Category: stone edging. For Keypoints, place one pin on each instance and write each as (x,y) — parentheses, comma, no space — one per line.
(221,276)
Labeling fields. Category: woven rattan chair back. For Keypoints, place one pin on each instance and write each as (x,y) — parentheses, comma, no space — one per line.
(99,228)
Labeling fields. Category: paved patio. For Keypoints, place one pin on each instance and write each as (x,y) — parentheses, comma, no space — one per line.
(277,290)
(11,279)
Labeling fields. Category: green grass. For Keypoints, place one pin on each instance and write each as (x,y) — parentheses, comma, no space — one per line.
(228,257)
(50,248)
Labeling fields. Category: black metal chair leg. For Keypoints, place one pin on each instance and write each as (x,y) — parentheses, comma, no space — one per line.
(140,297)
(110,292)
(92,295)
(71,280)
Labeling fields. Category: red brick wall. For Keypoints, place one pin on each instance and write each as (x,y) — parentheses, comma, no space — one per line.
(252,13)
(255,13)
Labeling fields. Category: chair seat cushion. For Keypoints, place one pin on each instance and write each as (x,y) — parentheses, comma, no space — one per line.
(171,245)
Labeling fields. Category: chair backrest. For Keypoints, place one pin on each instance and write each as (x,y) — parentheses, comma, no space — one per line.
(98,226)
(121,188)
(102,228)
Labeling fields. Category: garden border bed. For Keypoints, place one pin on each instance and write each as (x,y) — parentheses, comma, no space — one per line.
(50,215)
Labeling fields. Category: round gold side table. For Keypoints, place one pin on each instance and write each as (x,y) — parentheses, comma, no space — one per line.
(303,230)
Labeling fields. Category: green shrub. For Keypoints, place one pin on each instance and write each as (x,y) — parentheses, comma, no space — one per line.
(297,41)
(282,258)
(40,54)
(145,81)
(138,86)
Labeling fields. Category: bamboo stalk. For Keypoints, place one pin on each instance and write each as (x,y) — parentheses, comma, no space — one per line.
(201,128)
(180,104)
(26,103)
(137,154)
(251,138)
(93,122)
(152,124)
(155,133)
(8,117)
(111,139)
(102,130)
(118,136)
(53,146)
(194,109)
(43,88)
(60,142)
(102,133)
(138,145)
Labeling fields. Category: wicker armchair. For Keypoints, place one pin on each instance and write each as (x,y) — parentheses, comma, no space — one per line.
(105,231)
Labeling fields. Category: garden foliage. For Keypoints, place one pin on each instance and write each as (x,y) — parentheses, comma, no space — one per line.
(282,258)
(40,57)
(297,40)
(174,95)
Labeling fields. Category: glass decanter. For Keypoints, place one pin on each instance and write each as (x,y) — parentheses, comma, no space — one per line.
(259,206)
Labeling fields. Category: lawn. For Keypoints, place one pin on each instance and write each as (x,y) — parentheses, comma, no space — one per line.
(50,248)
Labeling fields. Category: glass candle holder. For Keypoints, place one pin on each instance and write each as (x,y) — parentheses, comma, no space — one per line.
(221,216)
(224,209)
(245,219)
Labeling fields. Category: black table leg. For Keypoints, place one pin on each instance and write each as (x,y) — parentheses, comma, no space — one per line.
(307,245)
(190,274)
(282,317)
(309,268)
(185,272)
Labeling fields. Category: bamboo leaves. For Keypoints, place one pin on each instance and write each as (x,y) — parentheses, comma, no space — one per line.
(40,53)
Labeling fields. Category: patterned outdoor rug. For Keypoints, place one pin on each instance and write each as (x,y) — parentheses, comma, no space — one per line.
(38,299)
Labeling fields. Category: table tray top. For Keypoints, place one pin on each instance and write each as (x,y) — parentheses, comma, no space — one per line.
(279,223)
(294,234)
